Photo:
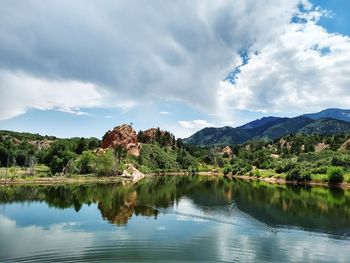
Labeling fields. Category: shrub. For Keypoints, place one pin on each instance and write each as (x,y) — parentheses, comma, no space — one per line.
(241,167)
(335,175)
(342,160)
(285,167)
(305,175)
(227,169)
(294,175)
(86,162)
(105,164)
(255,173)
(320,170)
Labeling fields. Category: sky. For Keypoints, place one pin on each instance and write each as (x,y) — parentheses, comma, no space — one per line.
(79,68)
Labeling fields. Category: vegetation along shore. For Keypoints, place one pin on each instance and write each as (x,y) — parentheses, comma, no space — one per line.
(126,156)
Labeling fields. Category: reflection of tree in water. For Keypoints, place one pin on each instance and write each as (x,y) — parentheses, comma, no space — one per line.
(313,208)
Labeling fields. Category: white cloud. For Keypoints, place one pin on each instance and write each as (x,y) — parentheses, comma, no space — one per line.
(195,124)
(304,69)
(176,50)
(20,92)
(143,53)
(165,112)
(75,111)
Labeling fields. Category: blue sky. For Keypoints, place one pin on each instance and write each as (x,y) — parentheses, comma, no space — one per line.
(74,69)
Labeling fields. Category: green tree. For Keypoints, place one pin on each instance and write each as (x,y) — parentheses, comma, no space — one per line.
(335,175)
(105,164)
(86,162)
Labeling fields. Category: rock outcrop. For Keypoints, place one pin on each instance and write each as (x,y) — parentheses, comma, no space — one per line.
(227,151)
(132,173)
(124,136)
(120,135)
(346,146)
(321,146)
(41,144)
(151,133)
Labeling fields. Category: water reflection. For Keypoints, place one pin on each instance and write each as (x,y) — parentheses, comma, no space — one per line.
(217,199)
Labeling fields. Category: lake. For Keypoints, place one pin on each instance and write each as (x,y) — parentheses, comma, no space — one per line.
(175,218)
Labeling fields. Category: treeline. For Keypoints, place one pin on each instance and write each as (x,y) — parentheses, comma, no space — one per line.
(25,149)
(294,158)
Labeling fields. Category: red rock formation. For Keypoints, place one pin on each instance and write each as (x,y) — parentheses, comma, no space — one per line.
(152,133)
(122,135)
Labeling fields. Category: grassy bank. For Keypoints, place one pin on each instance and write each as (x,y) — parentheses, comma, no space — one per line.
(40,174)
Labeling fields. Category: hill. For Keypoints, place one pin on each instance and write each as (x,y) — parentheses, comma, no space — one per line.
(338,114)
(328,122)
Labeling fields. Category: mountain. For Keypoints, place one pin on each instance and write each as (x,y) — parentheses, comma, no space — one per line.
(259,122)
(330,121)
(338,114)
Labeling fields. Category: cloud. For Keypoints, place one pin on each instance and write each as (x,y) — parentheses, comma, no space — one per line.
(195,124)
(105,53)
(75,111)
(165,112)
(305,69)
(20,92)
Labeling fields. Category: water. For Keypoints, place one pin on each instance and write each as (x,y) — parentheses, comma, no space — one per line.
(174,219)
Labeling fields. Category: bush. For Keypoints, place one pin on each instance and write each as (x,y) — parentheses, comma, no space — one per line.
(294,175)
(342,160)
(320,170)
(335,175)
(298,174)
(285,167)
(105,164)
(86,162)
(227,169)
(254,173)
(241,167)
(305,175)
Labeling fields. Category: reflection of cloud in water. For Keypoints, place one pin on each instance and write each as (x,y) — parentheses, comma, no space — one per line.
(187,210)
(59,240)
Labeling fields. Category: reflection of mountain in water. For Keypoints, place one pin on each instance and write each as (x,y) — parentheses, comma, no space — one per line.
(317,209)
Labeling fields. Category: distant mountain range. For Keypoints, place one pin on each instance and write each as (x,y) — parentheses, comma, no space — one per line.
(329,121)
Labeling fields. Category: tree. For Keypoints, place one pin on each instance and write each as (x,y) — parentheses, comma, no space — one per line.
(86,162)
(335,175)
(119,153)
(81,146)
(105,164)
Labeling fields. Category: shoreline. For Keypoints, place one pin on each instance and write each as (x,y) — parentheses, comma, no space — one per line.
(57,180)
(280,181)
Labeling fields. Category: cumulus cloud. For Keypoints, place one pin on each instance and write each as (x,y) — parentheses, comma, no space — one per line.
(195,124)
(305,69)
(114,51)
(73,55)
(21,91)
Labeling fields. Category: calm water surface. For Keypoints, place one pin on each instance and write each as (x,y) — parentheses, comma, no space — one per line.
(175,219)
